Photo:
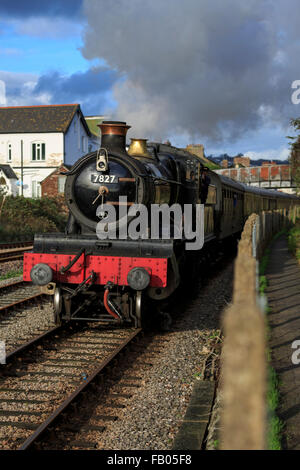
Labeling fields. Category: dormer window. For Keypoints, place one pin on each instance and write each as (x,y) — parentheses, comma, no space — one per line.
(38,151)
(9,152)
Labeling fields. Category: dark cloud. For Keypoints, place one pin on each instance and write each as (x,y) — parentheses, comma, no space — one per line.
(200,68)
(91,88)
(30,8)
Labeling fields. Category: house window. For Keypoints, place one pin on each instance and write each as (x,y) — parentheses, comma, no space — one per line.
(61,184)
(9,152)
(35,189)
(38,151)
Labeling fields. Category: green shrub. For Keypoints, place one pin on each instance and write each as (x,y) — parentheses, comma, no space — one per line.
(263,284)
(22,217)
(294,240)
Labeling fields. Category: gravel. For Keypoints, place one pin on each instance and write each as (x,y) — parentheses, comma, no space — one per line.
(9,266)
(154,412)
(11,280)
(25,322)
(44,375)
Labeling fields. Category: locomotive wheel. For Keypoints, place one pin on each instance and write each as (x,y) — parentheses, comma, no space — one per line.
(58,307)
(138,309)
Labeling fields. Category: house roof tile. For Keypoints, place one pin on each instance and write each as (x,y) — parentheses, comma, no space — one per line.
(8,171)
(46,118)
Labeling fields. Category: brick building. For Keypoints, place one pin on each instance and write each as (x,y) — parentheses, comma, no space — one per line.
(224,163)
(54,184)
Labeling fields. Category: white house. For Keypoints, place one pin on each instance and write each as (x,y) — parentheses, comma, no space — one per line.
(36,140)
(8,181)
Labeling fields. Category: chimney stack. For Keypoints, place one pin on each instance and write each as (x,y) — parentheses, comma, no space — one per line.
(224,163)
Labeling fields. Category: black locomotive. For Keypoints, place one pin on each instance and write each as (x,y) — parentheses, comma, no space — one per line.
(113,279)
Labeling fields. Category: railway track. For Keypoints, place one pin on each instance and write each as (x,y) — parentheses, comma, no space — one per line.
(44,378)
(65,388)
(14,251)
(19,304)
(17,293)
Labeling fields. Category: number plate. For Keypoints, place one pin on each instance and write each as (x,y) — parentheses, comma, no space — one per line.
(104,178)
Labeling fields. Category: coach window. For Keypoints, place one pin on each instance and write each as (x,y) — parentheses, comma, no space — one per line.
(38,151)
(9,152)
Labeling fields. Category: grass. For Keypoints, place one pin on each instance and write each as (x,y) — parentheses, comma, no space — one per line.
(294,240)
(11,274)
(216,444)
(275,425)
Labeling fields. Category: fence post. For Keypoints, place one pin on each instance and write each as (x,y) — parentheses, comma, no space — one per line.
(243,376)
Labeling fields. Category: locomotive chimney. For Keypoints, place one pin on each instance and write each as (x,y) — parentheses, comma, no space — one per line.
(113,135)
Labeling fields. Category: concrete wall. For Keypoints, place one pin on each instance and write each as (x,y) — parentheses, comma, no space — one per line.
(54,149)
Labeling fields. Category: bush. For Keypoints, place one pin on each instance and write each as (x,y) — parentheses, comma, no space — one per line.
(22,217)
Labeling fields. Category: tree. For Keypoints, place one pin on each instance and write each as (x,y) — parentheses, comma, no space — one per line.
(294,158)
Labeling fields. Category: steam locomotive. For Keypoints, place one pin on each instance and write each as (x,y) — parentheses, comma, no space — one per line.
(123,279)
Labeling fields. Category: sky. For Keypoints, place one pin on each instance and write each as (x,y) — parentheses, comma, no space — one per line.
(199,71)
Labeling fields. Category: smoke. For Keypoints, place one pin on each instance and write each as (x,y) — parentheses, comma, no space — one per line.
(213,70)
